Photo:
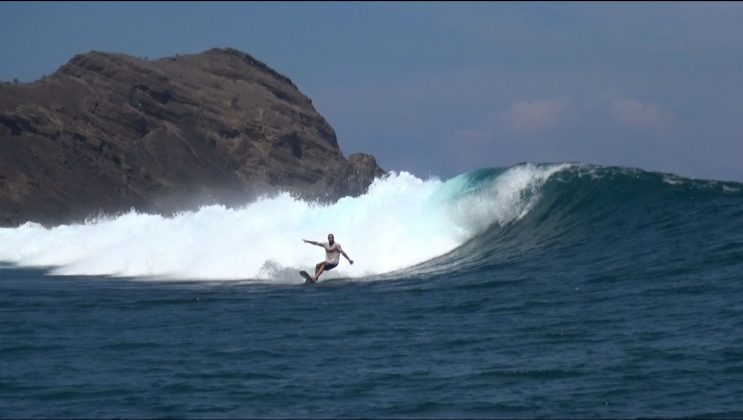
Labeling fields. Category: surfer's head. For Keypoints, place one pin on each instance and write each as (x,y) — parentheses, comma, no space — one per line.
(331,239)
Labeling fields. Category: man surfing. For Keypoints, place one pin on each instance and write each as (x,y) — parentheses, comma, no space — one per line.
(333,251)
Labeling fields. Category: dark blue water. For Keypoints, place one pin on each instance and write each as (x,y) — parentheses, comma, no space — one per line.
(619,294)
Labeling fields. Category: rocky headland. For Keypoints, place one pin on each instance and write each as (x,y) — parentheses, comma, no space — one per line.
(109,132)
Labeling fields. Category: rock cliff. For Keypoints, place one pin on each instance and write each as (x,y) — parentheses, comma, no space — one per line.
(109,132)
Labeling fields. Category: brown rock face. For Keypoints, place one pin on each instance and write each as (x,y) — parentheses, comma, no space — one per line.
(110,132)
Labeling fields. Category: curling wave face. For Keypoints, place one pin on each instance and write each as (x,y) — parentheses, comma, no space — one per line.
(400,222)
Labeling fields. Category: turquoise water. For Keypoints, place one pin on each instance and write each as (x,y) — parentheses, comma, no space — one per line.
(598,292)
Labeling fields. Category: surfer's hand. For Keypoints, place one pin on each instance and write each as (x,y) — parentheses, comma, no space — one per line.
(350,261)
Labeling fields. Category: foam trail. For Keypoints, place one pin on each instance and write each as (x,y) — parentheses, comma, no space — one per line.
(401,221)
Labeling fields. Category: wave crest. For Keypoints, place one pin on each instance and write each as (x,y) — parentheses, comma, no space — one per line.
(401,221)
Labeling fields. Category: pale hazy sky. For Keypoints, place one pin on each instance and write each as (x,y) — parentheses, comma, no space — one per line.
(443,88)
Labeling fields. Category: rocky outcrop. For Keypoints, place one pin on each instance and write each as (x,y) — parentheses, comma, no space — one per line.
(110,132)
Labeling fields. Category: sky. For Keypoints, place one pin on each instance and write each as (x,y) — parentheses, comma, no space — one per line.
(441,88)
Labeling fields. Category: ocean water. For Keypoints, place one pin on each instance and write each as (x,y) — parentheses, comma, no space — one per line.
(539,290)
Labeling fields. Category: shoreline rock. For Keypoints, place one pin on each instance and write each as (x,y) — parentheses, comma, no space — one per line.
(109,132)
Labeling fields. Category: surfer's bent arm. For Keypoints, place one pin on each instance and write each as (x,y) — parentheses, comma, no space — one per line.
(346,255)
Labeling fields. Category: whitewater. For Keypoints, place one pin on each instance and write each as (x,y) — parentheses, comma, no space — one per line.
(535,291)
(401,221)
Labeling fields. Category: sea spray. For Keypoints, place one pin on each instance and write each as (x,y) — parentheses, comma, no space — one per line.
(401,221)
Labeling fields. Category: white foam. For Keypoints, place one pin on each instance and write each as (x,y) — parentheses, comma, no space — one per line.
(401,221)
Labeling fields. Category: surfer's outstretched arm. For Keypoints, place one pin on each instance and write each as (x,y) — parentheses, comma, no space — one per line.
(312,242)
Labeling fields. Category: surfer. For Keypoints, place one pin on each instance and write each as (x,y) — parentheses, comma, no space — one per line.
(333,252)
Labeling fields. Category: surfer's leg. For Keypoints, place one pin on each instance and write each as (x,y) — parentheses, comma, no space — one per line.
(319,268)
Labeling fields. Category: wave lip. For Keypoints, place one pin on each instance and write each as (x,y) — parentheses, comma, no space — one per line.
(400,222)
(491,196)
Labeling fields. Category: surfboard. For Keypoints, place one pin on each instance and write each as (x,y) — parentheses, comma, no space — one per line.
(307,277)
